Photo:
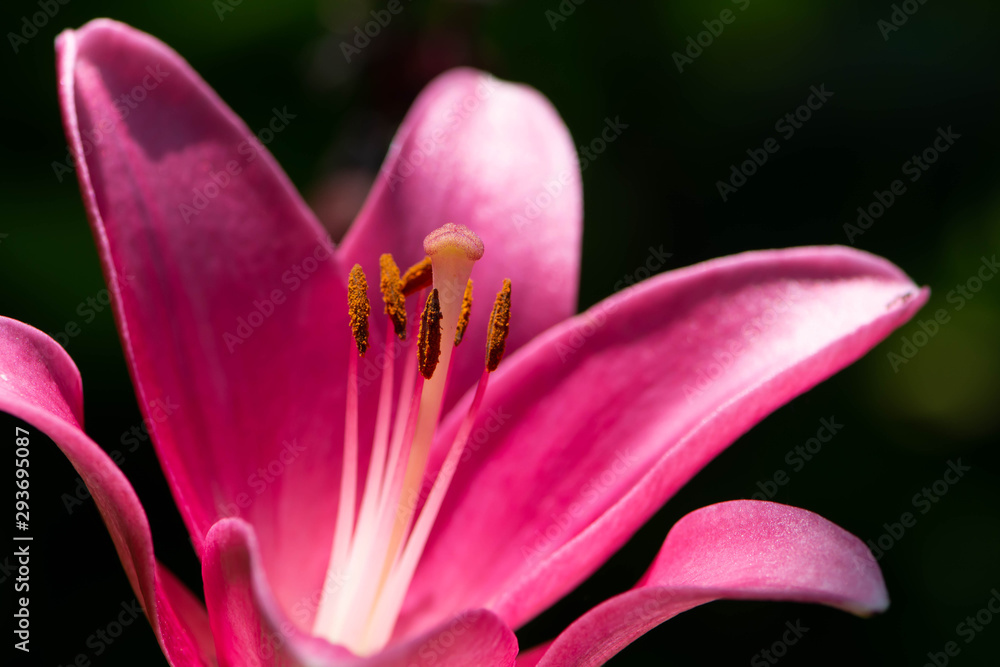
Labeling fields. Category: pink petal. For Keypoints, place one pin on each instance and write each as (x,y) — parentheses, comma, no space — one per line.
(587,431)
(532,657)
(478,151)
(40,384)
(234,314)
(252,631)
(739,550)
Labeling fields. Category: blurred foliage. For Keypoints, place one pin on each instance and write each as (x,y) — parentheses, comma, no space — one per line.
(655,186)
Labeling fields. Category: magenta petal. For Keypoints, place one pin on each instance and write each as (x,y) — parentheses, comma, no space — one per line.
(40,384)
(739,550)
(480,152)
(252,631)
(532,657)
(230,307)
(587,431)
(183,623)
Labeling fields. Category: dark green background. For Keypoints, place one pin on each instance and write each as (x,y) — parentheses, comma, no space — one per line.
(656,185)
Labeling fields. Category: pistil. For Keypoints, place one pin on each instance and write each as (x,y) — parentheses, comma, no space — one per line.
(453,250)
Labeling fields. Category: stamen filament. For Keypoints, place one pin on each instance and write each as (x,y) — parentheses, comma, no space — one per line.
(388,522)
(342,535)
(391,600)
(365,534)
(406,393)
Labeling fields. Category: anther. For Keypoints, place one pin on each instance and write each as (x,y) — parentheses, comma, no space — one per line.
(417,277)
(496,336)
(358,307)
(429,343)
(463,317)
(395,304)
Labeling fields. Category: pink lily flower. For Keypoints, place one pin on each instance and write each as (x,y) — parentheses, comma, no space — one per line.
(348,511)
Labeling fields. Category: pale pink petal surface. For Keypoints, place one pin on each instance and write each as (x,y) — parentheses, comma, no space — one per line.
(613,411)
(479,152)
(40,384)
(738,550)
(252,631)
(229,302)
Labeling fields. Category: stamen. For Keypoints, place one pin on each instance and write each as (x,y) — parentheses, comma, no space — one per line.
(417,277)
(496,337)
(358,307)
(429,342)
(395,304)
(463,317)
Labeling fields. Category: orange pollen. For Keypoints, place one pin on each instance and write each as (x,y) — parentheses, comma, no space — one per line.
(392,295)
(417,277)
(496,336)
(429,343)
(463,317)
(358,307)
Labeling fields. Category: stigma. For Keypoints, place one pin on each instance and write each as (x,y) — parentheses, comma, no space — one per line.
(378,543)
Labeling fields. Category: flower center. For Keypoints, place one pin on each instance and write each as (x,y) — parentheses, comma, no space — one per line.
(376,547)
